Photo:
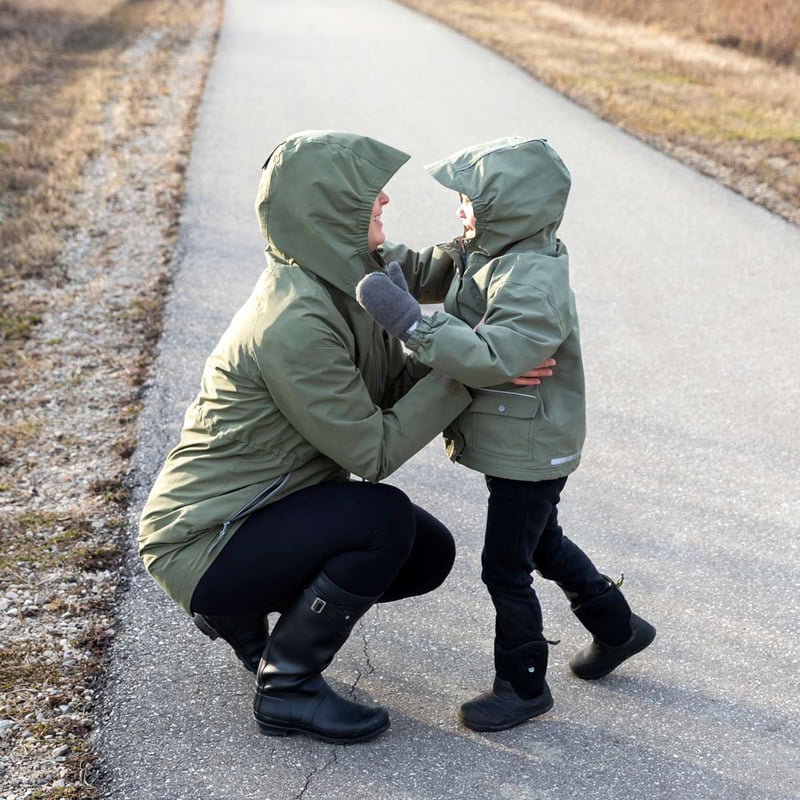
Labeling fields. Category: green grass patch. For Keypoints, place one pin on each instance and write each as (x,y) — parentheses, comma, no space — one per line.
(16,325)
(112,490)
(95,558)
(18,670)
(40,538)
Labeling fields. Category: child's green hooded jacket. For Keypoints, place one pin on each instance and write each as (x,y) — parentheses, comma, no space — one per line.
(303,387)
(513,284)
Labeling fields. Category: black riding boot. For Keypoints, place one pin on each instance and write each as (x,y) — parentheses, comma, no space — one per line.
(617,634)
(519,691)
(246,635)
(291,694)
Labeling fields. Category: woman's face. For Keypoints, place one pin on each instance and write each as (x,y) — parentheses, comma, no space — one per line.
(467,215)
(375,235)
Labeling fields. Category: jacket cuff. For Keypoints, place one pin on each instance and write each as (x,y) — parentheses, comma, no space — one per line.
(418,332)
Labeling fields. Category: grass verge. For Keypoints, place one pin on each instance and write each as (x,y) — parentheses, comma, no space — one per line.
(96,110)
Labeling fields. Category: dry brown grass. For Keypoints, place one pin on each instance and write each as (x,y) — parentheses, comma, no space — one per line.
(733,116)
(60,63)
(56,61)
(766,28)
(57,66)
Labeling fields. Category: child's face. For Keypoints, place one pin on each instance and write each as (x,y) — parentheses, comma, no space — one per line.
(467,215)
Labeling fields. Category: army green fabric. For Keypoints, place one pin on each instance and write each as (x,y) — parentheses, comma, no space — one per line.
(515,288)
(303,387)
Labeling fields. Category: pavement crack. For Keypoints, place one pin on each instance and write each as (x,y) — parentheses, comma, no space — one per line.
(310,776)
(365,647)
(365,641)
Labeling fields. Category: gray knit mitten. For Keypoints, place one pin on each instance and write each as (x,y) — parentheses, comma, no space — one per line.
(386,299)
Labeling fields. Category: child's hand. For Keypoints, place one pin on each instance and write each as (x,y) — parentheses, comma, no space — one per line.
(395,272)
(386,299)
(531,377)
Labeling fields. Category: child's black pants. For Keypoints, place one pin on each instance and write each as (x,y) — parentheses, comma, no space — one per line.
(522,535)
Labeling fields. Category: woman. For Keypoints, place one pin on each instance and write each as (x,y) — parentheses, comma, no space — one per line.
(253,511)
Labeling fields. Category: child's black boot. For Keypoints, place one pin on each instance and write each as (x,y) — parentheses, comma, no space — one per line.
(519,691)
(617,634)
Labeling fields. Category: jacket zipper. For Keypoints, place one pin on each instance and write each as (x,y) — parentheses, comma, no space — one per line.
(249,506)
(376,369)
(460,268)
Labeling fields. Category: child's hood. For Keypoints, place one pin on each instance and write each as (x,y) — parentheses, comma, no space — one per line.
(518,188)
(315,201)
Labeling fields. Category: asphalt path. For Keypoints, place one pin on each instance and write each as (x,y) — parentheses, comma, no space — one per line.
(689,299)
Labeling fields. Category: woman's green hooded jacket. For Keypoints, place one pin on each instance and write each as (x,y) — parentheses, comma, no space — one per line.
(511,284)
(303,386)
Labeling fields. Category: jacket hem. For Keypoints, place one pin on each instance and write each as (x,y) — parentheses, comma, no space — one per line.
(520,473)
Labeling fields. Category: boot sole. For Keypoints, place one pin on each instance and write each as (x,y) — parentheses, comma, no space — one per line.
(278,729)
(644,642)
(483,728)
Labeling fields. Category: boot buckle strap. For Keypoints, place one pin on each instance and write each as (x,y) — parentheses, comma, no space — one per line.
(318,605)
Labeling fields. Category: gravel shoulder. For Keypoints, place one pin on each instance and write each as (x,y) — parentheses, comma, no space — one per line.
(68,430)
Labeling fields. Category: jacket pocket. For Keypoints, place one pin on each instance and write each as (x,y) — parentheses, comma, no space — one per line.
(503,424)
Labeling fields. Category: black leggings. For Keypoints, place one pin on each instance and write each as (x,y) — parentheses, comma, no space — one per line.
(369,539)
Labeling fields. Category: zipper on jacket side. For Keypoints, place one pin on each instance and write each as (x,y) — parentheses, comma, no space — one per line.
(376,369)
(377,382)
(461,266)
(249,506)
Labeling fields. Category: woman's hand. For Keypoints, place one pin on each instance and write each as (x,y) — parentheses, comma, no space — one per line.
(531,377)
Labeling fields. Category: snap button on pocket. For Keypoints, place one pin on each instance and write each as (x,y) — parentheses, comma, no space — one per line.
(501,408)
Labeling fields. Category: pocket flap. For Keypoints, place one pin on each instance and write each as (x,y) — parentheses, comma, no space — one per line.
(505,404)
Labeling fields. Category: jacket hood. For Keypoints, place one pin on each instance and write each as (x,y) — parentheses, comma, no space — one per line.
(315,199)
(518,188)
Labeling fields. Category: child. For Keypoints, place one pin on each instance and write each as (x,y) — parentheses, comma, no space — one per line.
(510,306)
